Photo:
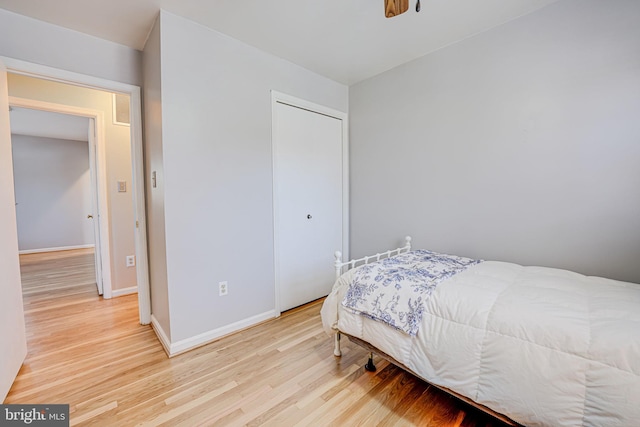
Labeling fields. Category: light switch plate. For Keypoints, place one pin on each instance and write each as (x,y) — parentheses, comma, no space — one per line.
(122,186)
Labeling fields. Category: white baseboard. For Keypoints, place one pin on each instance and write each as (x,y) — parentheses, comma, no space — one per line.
(162,337)
(206,337)
(178,347)
(61,248)
(124,291)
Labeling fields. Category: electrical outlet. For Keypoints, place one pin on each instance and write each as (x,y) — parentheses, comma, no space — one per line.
(131,261)
(223,288)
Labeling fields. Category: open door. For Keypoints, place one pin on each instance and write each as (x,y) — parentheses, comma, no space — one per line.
(94,216)
(13,341)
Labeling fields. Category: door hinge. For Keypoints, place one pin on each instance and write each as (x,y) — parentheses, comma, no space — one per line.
(137,224)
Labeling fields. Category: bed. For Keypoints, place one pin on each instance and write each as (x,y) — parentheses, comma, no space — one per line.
(531,345)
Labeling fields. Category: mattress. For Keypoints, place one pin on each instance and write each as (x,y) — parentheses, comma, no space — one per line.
(543,346)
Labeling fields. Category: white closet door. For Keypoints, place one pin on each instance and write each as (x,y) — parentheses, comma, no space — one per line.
(308,185)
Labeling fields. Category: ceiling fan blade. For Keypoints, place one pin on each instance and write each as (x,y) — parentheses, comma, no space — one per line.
(395,7)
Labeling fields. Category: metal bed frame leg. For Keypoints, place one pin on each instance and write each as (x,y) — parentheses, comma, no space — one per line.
(336,348)
(370,366)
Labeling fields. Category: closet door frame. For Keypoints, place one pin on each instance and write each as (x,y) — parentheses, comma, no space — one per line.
(278,97)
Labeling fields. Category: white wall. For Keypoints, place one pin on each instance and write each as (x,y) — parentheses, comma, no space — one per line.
(152,97)
(118,156)
(13,342)
(52,184)
(39,42)
(216,144)
(520,144)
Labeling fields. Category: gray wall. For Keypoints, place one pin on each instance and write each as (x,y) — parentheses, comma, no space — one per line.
(520,144)
(216,145)
(53,190)
(152,97)
(39,42)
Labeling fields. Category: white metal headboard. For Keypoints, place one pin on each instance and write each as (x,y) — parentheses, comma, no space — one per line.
(365,260)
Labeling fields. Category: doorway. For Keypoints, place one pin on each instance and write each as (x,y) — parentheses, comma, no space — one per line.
(310,198)
(135,186)
(55,180)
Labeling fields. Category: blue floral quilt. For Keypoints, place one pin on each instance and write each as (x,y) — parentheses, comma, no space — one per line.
(395,290)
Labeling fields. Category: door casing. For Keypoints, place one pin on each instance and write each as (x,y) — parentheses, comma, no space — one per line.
(49,73)
(97,166)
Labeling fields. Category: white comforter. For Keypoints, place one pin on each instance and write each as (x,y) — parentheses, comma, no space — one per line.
(542,346)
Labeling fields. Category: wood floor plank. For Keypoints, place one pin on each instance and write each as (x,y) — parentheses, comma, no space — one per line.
(92,354)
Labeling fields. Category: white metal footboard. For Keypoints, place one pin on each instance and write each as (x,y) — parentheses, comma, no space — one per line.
(365,260)
(340,268)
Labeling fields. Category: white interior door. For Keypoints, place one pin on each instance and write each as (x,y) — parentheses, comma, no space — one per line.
(308,198)
(13,342)
(94,216)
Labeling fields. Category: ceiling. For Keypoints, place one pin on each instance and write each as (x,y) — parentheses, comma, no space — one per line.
(345,40)
(46,124)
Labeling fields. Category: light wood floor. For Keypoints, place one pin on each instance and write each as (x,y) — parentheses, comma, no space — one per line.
(92,354)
